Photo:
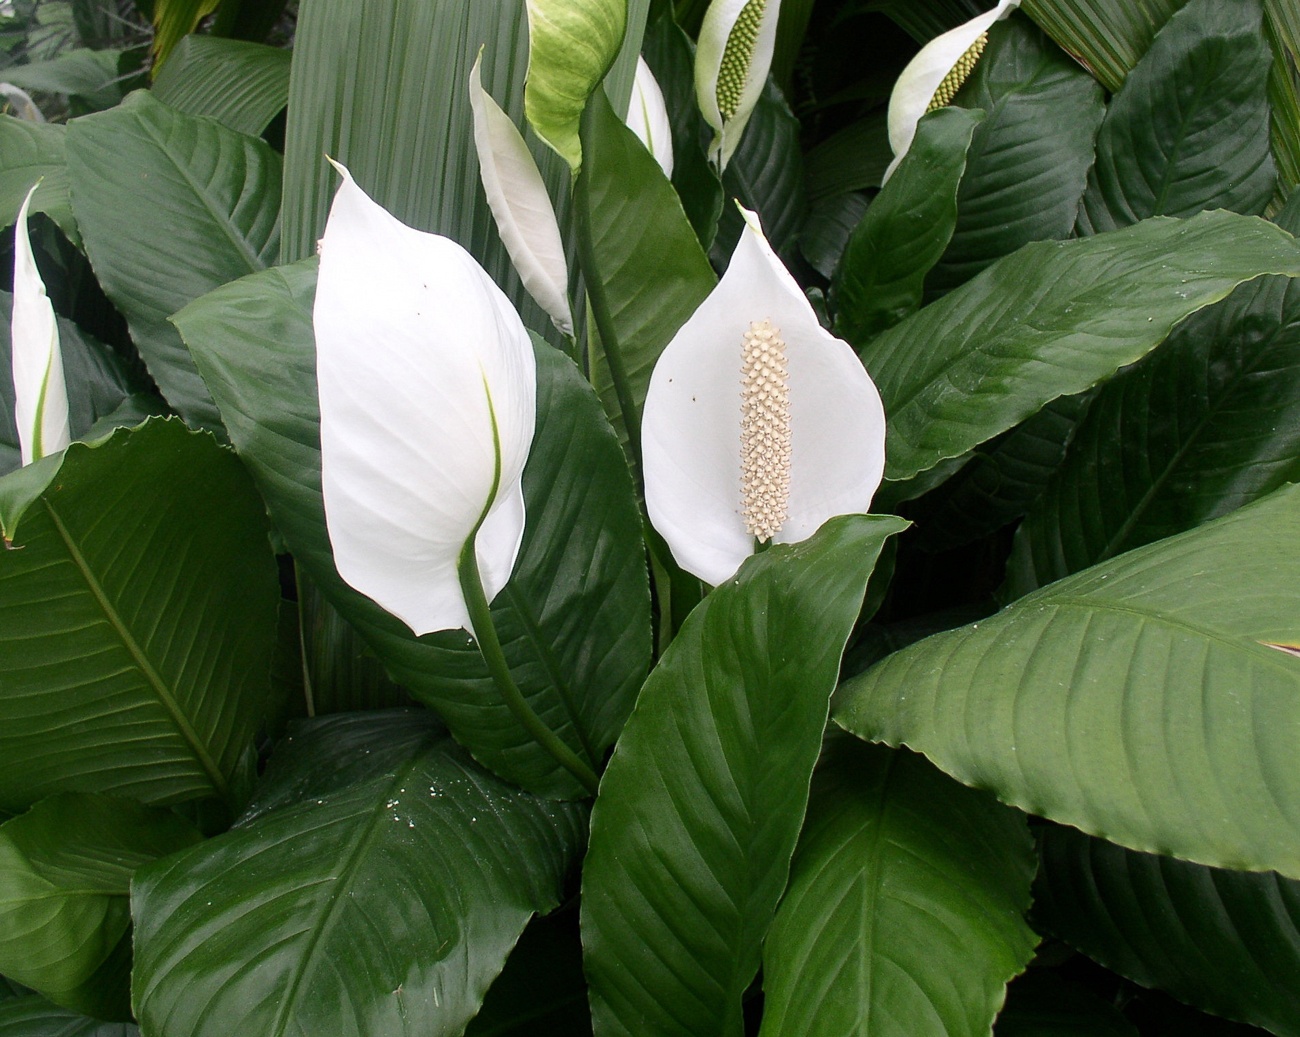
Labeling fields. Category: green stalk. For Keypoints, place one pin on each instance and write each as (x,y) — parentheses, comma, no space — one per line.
(489,644)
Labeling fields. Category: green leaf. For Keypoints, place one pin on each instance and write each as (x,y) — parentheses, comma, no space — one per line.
(1189,129)
(881,276)
(826,232)
(377,883)
(572,44)
(644,268)
(88,74)
(926,20)
(137,621)
(31,151)
(1227,942)
(1028,162)
(1282,28)
(65,873)
(906,903)
(217,193)
(241,85)
(33,1016)
(1041,1004)
(574,621)
(1141,700)
(852,159)
(173,19)
(96,378)
(700,806)
(1052,320)
(1201,426)
(1108,37)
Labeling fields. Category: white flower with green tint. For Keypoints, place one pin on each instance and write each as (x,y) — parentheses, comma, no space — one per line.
(759,425)
(932,78)
(427,384)
(520,204)
(40,394)
(647,117)
(732,59)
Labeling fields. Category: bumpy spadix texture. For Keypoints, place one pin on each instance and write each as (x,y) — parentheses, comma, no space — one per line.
(732,59)
(932,78)
(40,393)
(758,423)
(428,402)
(647,117)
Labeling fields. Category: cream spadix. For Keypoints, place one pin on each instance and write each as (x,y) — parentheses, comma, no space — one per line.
(40,392)
(647,117)
(520,205)
(427,385)
(732,59)
(933,77)
(758,423)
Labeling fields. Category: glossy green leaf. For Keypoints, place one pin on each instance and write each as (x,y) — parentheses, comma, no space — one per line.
(1203,425)
(644,268)
(375,886)
(97,382)
(1227,942)
(65,873)
(574,621)
(31,151)
(1190,128)
(1028,162)
(33,1016)
(881,276)
(144,166)
(1108,37)
(1052,320)
(905,909)
(826,232)
(173,19)
(853,159)
(241,85)
(1282,28)
(1141,699)
(137,621)
(1041,1004)
(700,806)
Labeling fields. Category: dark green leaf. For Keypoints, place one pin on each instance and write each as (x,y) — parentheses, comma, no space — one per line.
(881,276)
(33,1016)
(137,622)
(375,886)
(853,159)
(1143,699)
(1282,28)
(31,151)
(574,621)
(1225,941)
(1028,162)
(1189,129)
(924,21)
(171,206)
(173,19)
(241,85)
(906,903)
(826,231)
(700,807)
(1052,320)
(88,74)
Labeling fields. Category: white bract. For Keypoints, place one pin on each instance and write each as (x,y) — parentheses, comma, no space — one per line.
(427,384)
(732,59)
(647,117)
(21,102)
(933,77)
(517,196)
(758,424)
(40,393)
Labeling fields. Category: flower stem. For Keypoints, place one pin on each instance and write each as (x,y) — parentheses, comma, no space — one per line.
(485,633)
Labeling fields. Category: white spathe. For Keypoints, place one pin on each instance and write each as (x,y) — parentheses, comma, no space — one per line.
(21,102)
(918,82)
(40,392)
(739,83)
(691,429)
(647,117)
(428,387)
(520,205)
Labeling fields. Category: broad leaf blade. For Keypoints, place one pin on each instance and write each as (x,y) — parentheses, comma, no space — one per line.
(219,191)
(1052,320)
(31,151)
(241,85)
(1190,128)
(376,886)
(574,621)
(1108,37)
(145,670)
(33,1016)
(701,804)
(1227,942)
(1139,699)
(906,902)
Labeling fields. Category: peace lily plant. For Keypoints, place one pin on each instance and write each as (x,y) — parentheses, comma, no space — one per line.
(732,58)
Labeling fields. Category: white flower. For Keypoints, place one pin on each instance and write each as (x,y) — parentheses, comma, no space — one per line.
(428,401)
(759,424)
(647,117)
(40,393)
(732,58)
(21,102)
(933,77)
(517,196)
